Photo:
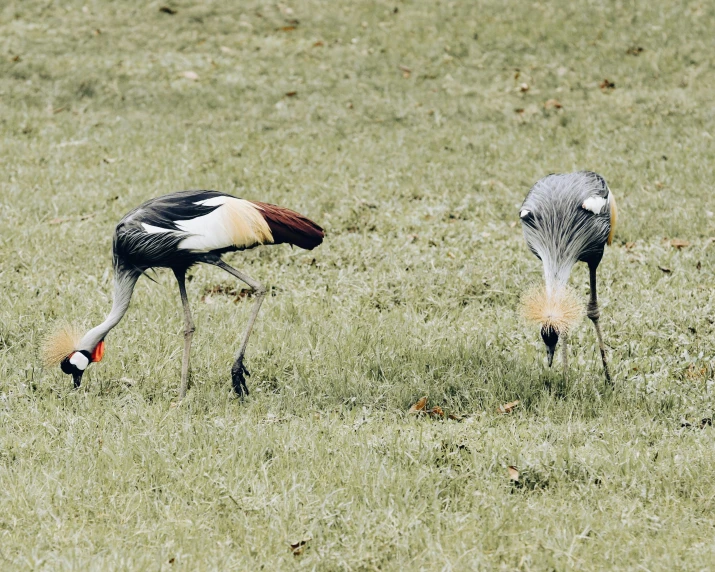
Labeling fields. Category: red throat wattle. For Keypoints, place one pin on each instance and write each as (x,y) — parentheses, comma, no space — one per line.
(98,352)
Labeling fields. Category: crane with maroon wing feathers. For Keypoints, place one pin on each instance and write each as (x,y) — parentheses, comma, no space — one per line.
(177,231)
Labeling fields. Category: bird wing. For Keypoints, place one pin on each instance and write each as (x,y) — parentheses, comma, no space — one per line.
(614,216)
(290,227)
(206,221)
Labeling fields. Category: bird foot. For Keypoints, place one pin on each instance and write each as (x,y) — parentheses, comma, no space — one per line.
(238,377)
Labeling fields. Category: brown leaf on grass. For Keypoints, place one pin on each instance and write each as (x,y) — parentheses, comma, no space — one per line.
(419,407)
(607,85)
(679,243)
(167,10)
(291,93)
(665,269)
(62,219)
(287,28)
(229,291)
(436,412)
(552,104)
(298,547)
(630,245)
(513,473)
(318,44)
(507,407)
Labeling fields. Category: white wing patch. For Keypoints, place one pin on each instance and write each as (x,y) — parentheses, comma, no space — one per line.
(236,222)
(151,229)
(525,213)
(594,204)
(79,360)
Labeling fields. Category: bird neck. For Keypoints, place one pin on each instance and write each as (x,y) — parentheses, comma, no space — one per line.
(123,288)
(556,275)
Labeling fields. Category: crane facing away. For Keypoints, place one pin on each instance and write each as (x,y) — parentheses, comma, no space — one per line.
(566,218)
(177,231)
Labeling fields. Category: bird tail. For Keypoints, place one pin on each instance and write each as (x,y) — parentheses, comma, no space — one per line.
(291,227)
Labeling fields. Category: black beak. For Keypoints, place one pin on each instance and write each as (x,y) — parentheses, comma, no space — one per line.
(551,338)
(77,379)
(550,353)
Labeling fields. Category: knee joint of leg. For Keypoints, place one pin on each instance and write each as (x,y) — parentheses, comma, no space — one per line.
(189,331)
(592,311)
(261,290)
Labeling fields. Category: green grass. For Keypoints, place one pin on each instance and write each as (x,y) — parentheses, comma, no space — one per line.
(415,291)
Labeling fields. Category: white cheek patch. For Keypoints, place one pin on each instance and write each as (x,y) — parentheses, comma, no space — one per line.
(524,213)
(79,360)
(594,204)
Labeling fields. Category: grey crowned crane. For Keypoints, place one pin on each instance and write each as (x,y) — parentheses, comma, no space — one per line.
(177,231)
(566,218)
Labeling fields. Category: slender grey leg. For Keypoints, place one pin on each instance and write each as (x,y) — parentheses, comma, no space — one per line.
(188,331)
(565,356)
(238,370)
(594,314)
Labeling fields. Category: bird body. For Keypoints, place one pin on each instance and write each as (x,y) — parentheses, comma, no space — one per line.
(566,218)
(177,231)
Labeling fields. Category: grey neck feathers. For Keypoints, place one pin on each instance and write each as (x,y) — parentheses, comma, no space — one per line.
(123,287)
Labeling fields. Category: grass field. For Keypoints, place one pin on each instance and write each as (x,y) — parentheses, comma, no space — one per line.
(410,130)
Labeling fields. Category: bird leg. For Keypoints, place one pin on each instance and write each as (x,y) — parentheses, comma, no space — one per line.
(594,314)
(188,331)
(565,356)
(238,370)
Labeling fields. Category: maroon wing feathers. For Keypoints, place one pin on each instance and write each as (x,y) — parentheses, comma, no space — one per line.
(289,226)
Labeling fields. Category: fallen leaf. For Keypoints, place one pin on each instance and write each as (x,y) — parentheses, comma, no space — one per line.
(436,412)
(665,269)
(298,547)
(679,243)
(62,219)
(318,44)
(607,85)
(287,28)
(291,94)
(17,58)
(513,473)
(630,245)
(167,10)
(507,407)
(419,407)
(193,76)
(552,104)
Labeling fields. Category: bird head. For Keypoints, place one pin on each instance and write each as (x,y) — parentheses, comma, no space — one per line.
(556,312)
(62,348)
